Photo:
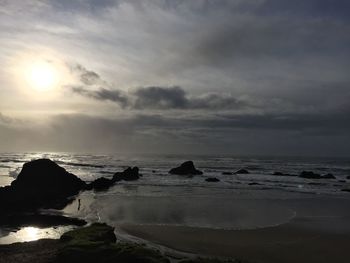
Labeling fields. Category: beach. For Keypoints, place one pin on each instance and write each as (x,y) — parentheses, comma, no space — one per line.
(286,243)
(257,217)
(319,232)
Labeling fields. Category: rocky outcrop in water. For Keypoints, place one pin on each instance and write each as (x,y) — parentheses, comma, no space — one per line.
(328,176)
(312,175)
(282,174)
(212,180)
(309,175)
(242,171)
(102,184)
(40,184)
(130,174)
(186,168)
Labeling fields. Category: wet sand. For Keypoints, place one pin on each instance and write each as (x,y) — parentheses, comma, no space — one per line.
(319,232)
(292,242)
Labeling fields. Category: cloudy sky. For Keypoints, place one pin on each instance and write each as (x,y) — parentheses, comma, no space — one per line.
(267,77)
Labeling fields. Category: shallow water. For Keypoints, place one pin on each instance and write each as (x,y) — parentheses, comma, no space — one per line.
(27,234)
(190,207)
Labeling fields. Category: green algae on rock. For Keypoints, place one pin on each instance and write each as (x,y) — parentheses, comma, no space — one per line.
(97,243)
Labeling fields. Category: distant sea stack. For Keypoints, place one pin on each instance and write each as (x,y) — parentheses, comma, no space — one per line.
(212,180)
(242,171)
(312,175)
(309,175)
(129,174)
(102,184)
(186,168)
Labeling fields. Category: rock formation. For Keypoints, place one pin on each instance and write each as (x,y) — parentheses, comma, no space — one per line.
(186,168)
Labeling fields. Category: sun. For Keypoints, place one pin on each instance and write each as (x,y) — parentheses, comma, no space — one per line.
(42,75)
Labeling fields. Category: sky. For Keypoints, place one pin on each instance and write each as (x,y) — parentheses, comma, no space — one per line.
(257,77)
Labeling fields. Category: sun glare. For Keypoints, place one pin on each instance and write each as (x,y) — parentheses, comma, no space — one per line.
(42,75)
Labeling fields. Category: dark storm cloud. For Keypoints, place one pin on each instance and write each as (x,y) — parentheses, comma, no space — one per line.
(162,98)
(152,97)
(103,94)
(177,98)
(87,77)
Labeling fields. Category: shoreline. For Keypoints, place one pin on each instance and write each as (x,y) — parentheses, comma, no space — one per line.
(290,242)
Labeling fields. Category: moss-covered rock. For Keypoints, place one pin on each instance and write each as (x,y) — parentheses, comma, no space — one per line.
(95,234)
(96,243)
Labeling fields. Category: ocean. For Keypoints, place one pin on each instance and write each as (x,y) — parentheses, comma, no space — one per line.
(238,201)
(155,170)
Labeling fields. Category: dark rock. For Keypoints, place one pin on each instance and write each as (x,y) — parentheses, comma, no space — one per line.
(100,184)
(242,171)
(254,183)
(309,175)
(130,174)
(40,184)
(328,176)
(212,180)
(348,177)
(187,168)
(45,177)
(346,190)
(227,173)
(342,181)
(278,173)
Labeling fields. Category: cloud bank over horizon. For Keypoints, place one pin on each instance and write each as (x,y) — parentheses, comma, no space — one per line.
(208,76)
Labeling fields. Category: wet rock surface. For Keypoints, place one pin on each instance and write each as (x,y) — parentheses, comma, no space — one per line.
(212,180)
(242,171)
(186,168)
(40,184)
